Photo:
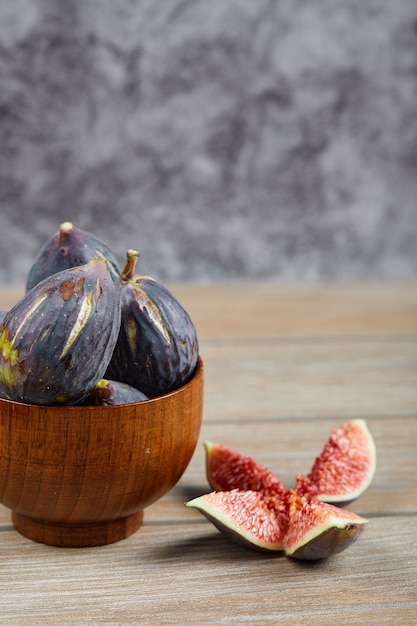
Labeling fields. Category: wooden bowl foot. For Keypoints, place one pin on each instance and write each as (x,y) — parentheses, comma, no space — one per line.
(77,535)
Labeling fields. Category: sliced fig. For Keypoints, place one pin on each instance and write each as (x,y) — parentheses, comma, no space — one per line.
(246,517)
(317,530)
(109,392)
(252,501)
(227,469)
(69,247)
(346,466)
(57,341)
(340,474)
(157,347)
(302,527)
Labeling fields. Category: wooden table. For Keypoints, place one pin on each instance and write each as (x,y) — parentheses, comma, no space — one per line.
(283,364)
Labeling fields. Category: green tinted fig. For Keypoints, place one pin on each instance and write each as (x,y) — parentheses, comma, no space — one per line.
(69,247)
(109,392)
(157,347)
(57,341)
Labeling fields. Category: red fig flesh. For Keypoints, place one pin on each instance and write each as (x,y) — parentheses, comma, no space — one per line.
(251,502)
(340,474)
(246,516)
(301,527)
(346,466)
(317,530)
(227,469)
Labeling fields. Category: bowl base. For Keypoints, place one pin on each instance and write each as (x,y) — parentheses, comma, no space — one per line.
(77,535)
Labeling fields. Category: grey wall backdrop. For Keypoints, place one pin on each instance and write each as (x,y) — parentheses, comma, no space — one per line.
(223,139)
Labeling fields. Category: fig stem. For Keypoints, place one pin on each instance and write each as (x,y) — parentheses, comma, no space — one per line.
(65,231)
(130,266)
(66,226)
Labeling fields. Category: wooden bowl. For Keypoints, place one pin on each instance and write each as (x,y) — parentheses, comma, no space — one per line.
(80,476)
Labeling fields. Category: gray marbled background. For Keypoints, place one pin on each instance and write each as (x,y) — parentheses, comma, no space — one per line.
(223,139)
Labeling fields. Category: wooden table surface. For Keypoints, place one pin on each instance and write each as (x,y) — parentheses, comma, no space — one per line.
(284,364)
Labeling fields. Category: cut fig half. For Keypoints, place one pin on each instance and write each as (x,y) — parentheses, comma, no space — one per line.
(227,469)
(317,530)
(246,517)
(340,474)
(302,527)
(254,508)
(346,466)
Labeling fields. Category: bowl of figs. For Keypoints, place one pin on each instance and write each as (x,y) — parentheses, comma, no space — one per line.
(101,394)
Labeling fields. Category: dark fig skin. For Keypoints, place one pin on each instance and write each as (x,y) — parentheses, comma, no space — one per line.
(2,315)
(57,341)
(157,347)
(110,392)
(330,542)
(69,247)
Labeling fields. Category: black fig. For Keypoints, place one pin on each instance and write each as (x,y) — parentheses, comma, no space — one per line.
(109,392)
(157,348)
(57,341)
(69,247)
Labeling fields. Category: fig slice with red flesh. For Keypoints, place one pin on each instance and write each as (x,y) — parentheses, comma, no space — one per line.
(340,474)
(227,469)
(301,527)
(304,523)
(345,468)
(317,530)
(246,517)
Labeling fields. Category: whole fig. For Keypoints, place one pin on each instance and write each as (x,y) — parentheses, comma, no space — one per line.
(57,341)
(69,247)
(157,347)
(109,392)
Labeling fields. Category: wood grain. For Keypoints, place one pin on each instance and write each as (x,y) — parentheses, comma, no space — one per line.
(283,365)
(300,310)
(80,476)
(338,378)
(189,573)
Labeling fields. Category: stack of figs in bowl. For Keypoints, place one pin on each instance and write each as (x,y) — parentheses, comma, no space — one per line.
(101,394)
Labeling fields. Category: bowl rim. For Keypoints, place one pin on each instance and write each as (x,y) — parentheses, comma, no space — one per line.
(198,370)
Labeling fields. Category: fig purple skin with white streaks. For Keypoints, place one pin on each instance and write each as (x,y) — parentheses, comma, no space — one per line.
(57,341)
(157,347)
(69,247)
